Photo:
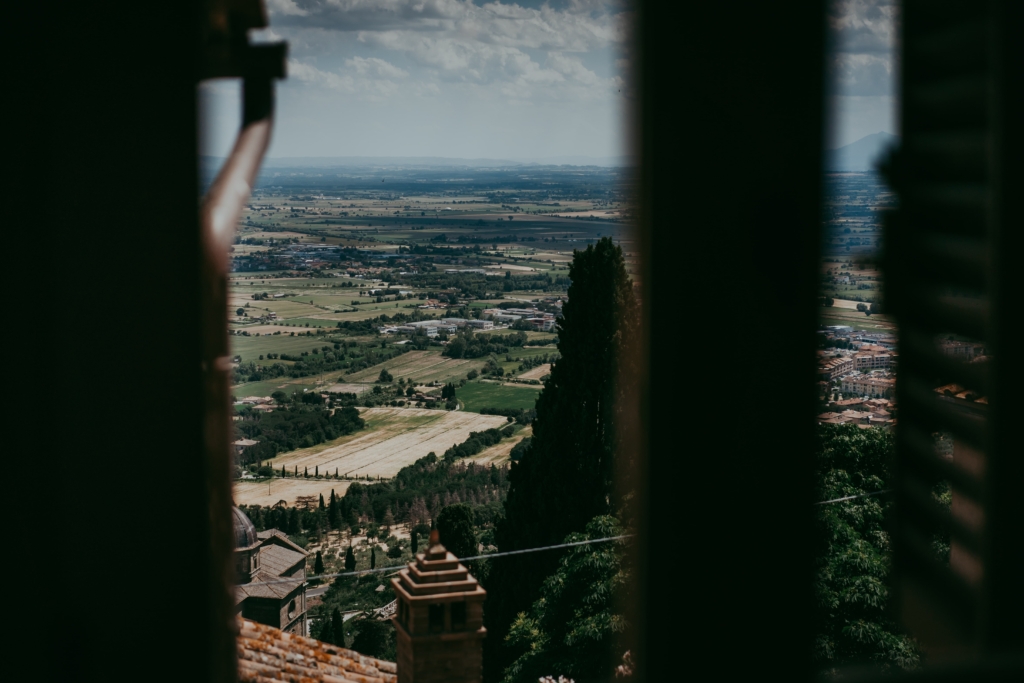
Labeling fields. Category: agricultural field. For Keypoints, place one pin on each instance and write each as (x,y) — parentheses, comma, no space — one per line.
(270,491)
(537,372)
(423,367)
(392,439)
(293,384)
(322,246)
(499,453)
(490,394)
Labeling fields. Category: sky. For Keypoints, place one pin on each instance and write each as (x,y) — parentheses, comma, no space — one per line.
(449,78)
(527,80)
(862,70)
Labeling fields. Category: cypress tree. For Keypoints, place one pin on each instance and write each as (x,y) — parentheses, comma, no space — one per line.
(373,557)
(322,506)
(318,565)
(414,545)
(338,627)
(305,471)
(316,473)
(573,440)
(350,559)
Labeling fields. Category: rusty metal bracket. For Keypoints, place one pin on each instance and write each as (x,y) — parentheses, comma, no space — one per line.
(227,53)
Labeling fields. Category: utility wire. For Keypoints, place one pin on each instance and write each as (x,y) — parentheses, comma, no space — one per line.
(861,495)
(396,568)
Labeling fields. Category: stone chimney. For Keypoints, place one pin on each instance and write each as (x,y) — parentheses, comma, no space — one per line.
(439,620)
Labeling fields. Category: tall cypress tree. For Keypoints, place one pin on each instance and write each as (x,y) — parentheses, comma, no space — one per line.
(414,545)
(565,477)
(373,558)
(318,565)
(350,559)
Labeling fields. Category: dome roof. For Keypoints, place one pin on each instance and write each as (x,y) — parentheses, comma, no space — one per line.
(245,532)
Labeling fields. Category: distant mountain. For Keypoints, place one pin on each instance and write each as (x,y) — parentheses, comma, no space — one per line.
(862,155)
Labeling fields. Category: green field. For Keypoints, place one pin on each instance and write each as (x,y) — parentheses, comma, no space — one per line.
(251,348)
(476,395)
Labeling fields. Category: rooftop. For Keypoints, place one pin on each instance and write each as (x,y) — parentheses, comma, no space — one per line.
(266,653)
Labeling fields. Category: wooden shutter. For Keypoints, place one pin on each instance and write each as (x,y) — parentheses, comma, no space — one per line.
(946,272)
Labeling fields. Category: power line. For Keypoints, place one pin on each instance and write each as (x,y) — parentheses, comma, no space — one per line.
(861,495)
(397,568)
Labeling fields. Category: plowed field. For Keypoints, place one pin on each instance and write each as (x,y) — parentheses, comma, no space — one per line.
(537,372)
(251,493)
(422,366)
(394,438)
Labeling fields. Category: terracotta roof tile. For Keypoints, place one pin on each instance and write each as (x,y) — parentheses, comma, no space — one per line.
(269,654)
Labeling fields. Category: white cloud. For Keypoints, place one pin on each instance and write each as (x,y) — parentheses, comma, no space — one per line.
(434,76)
(371,78)
(579,27)
(285,8)
(374,67)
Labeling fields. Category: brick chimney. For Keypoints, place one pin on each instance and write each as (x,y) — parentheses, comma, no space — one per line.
(439,620)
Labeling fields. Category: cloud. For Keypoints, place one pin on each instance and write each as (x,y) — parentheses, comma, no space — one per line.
(369,77)
(864,55)
(861,74)
(374,67)
(864,26)
(578,27)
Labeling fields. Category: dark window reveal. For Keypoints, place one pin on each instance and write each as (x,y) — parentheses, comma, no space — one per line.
(458,616)
(436,618)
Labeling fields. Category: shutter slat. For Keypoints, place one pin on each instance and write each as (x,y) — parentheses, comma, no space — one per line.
(928,308)
(923,404)
(921,457)
(951,154)
(922,356)
(956,101)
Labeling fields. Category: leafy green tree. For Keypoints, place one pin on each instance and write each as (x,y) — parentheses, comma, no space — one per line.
(318,565)
(574,628)
(456,348)
(374,638)
(574,439)
(852,620)
(455,526)
(350,560)
(384,376)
